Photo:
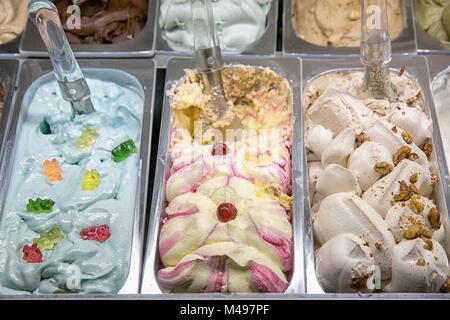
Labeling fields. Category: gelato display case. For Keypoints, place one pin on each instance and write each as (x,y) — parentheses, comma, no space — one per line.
(74,189)
(348,200)
(244,28)
(309,30)
(180,184)
(381,209)
(108,31)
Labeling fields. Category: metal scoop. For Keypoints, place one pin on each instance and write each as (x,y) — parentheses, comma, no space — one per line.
(71,81)
(376,50)
(210,64)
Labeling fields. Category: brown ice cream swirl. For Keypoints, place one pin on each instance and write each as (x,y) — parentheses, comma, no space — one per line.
(104,22)
(13,17)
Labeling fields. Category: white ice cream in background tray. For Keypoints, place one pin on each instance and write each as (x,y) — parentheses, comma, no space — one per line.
(441,95)
(375,221)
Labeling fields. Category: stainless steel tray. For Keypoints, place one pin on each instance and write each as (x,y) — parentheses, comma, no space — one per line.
(417,67)
(10,49)
(141,73)
(427,44)
(438,64)
(8,75)
(289,69)
(266,45)
(141,46)
(292,44)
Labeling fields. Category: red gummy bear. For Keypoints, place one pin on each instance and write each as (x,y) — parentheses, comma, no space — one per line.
(97,233)
(32,254)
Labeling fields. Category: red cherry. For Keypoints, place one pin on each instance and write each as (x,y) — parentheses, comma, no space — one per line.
(32,254)
(226,212)
(219,149)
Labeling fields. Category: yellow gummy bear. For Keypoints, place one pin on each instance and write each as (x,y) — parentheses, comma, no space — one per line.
(90,180)
(87,138)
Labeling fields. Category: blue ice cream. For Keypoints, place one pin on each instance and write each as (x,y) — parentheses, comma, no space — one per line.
(81,243)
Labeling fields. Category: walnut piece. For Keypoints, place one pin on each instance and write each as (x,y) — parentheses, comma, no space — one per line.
(407,137)
(402,154)
(383,168)
(414,178)
(416,205)
(428,147)
(421,262)
(361,138)
(435,219)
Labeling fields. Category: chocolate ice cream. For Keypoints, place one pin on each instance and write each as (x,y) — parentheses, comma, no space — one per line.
(104,21)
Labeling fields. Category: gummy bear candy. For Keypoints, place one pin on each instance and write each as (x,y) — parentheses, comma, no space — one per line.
(40,205)
(52,170)
(97,233)
(124,150)
(90,180)
(32,254)
(48,239)
(87,138)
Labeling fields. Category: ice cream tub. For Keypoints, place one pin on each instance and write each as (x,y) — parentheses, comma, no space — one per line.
(163,197)
(174,35)
(395,260)
(428,17)
(72,219)
(294,43)
(8,74)
(141,45)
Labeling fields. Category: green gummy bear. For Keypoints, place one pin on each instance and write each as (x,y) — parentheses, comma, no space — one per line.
(124,150)
(48,239)
(40,205)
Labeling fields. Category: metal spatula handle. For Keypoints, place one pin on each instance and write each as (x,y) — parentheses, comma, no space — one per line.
(376,50)
(68,73)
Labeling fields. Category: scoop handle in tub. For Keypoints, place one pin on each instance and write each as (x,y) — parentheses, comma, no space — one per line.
(376,49)
(209,62)
(72,83)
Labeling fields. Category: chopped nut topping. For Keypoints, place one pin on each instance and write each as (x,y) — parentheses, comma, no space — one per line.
(401,154)
(428,147)
(359,282)
(435,219)
(414,178)
(413,232)
(407,137)
(421,262)
(428,244)
(378,245)
(413,157)
(402,71)
(434,179)
(427,234)
(383,168)
(414,189)
(394,129)
(406,192)
(416,205)
(361,138)
(398,239)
